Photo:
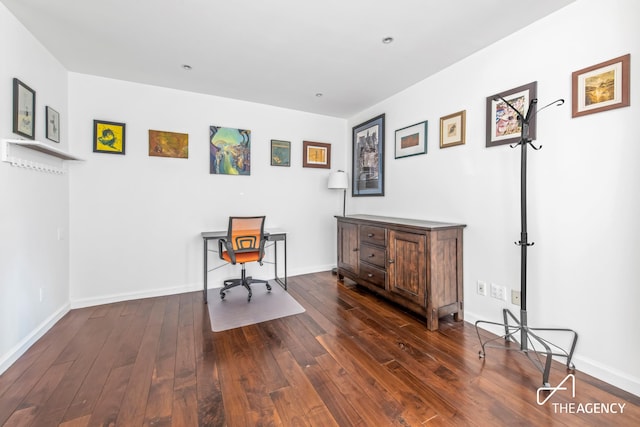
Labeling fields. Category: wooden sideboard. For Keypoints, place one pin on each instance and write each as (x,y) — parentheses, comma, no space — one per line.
(415,263)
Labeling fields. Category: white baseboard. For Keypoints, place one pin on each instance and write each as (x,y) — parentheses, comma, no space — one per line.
(19,349)
(591,367)
(128,296)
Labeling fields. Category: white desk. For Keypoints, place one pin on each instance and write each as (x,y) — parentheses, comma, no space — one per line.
(273,235)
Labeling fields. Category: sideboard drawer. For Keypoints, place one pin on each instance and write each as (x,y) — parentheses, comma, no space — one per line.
(373,275)
(373,235)
(373,255)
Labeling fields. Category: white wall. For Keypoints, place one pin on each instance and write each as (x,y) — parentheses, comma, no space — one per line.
(136,220)
(33,205)
(584,198)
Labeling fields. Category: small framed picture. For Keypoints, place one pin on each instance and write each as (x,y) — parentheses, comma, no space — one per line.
(108,137)
(503,125)
(411,140)
(24,110)
(280,153)
(53,124)
(452,129)
(316,155)
(601,87)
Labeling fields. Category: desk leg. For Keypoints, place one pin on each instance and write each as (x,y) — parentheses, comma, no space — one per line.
(206,267)
(275,254)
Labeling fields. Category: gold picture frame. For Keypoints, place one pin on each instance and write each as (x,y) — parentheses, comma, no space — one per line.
(601,87)
(453,129)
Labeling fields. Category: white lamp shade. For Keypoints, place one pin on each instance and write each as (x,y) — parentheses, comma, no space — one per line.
(338,180)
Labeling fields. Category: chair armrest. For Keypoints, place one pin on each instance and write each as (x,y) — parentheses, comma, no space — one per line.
(228,248)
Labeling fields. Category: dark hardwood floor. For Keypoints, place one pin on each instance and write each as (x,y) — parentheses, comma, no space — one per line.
(350,360)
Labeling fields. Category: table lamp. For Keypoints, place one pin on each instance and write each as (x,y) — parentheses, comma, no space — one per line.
(340,181)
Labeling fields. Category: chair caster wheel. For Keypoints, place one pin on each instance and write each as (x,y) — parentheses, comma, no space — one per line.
(222,295)
(269,287)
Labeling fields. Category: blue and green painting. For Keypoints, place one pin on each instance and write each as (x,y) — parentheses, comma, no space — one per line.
(229,151)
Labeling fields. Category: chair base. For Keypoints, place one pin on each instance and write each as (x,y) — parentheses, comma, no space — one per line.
(245,282)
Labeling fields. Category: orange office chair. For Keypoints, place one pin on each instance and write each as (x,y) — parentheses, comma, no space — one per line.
(244,243)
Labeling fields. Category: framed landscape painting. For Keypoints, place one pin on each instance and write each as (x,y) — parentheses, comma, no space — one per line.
(601,87)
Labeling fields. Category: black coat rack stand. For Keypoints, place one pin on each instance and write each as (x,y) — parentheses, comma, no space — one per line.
(518,331)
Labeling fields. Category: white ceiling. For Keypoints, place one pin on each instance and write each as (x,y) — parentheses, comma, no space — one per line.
(276,52)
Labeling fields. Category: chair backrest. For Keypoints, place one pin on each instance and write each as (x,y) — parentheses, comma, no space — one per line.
(246,233)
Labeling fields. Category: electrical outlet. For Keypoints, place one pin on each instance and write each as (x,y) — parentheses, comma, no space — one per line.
(482,288)
(515,297)
(498,292)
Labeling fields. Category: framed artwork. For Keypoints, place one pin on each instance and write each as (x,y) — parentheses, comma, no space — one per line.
(601,87)
(108,137)
(24,110)
(280,153)
(452,129)
(316,155)
(229,151)
(168,144)
(367,174)
(53,124)
(503,126)
(411,140)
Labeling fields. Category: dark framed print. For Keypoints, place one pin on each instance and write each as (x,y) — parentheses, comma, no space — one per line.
(452,129)
(280,153)
(411,140)
(53,124)
(316,155)
(503,125)
(24,110)
(368,158)
(601,87)
(108,137)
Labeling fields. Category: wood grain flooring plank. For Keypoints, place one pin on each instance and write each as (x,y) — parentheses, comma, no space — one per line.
(90,390)
(301,395)
(159,404)
(132,410)
(342,412)
(210,398)
(353,391)
(105,413)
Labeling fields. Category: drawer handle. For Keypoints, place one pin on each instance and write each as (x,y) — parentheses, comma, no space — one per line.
(369,275)
(355,249)
(370,235)
(372,255)
(391,261)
